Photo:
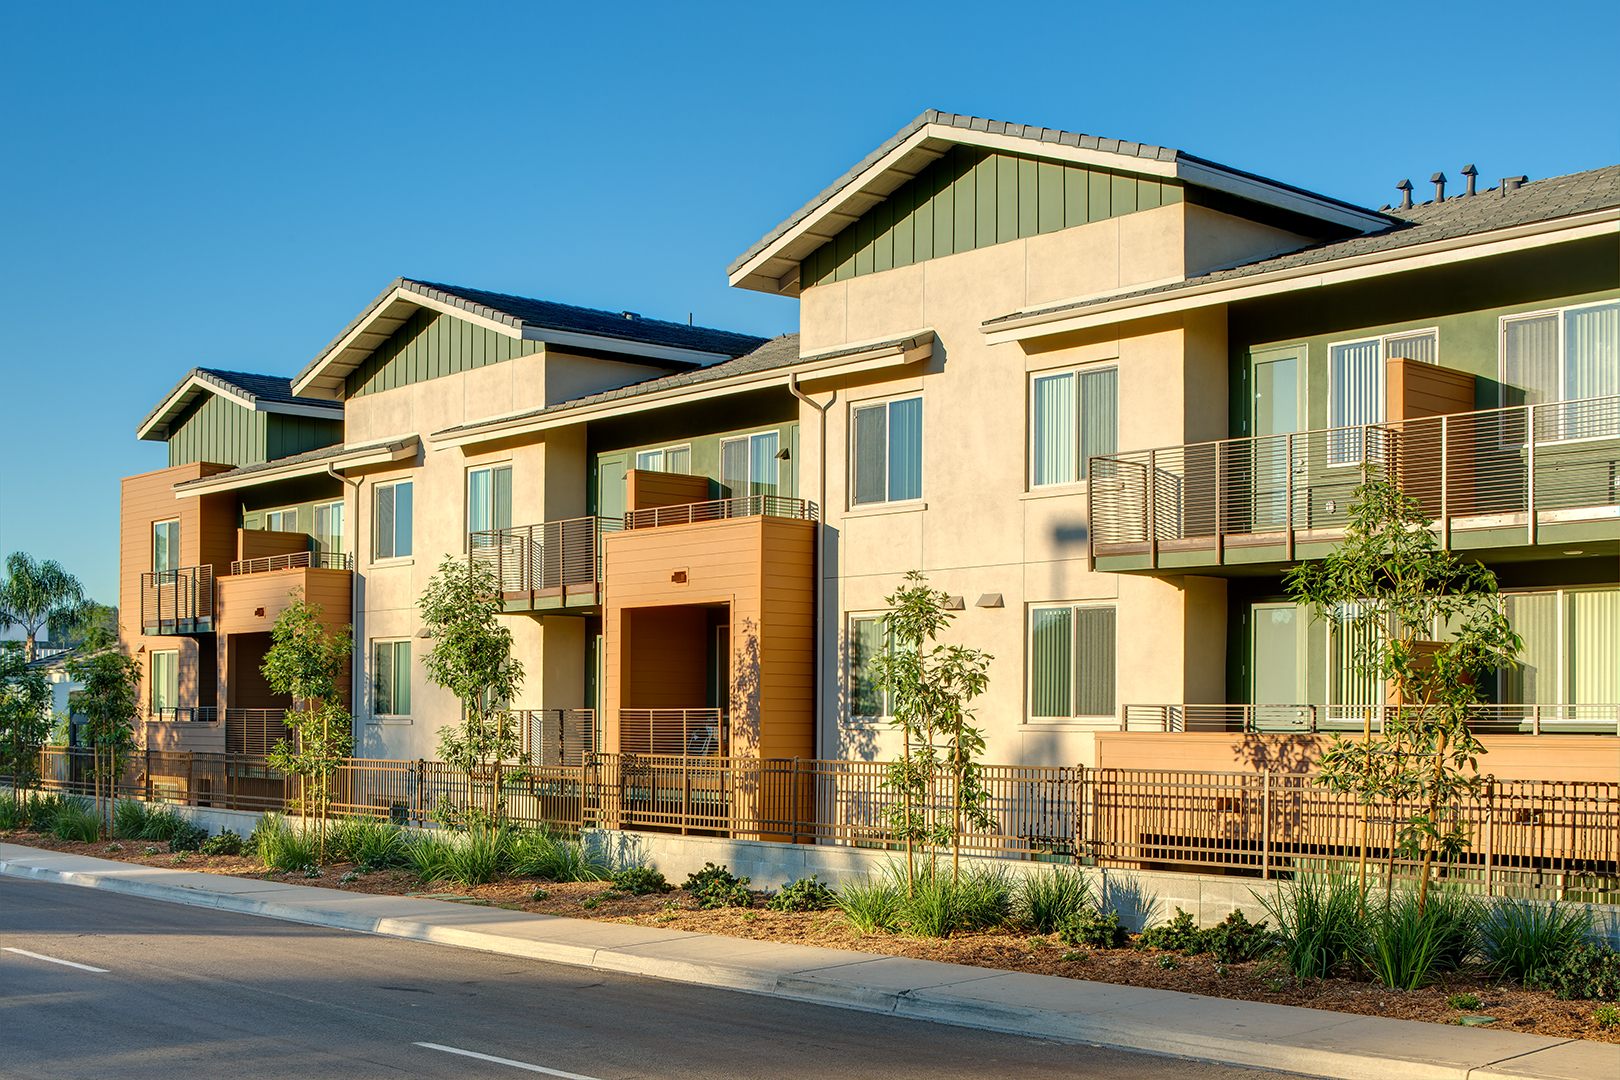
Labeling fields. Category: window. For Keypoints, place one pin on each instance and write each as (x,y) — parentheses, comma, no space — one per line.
(1571,638)
(391,678)
(1071,661)
(165,546)
(489,499)
(887,452)
(393,523)
(282,520)
(749,466)
(1356,387)
(165,683)
(671,459)
(329,528)
(1566,355)
(1074,415)
(869,638)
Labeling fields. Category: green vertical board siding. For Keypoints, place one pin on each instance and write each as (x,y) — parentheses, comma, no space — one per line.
(218,430)
(430,345)
(973,198)
(289,435)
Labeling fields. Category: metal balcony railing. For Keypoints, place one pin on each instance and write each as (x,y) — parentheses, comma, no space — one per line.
(680,732)
(1520,468)
(558,736)
(254,731)
(170,714)
(1484,719)
(720,509)
(178,601)
(549,557)
(311,560)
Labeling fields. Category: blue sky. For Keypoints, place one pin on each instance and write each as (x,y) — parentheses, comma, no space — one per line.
(227,185)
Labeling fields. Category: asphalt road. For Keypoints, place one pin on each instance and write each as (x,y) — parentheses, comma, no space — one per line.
(190,992)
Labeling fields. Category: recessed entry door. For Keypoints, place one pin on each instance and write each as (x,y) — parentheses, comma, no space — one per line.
(1278,666)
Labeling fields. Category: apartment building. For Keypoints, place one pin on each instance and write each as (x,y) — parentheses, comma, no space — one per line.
(1104,394)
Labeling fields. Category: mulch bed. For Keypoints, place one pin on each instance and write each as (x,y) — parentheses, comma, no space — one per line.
(1514,1008)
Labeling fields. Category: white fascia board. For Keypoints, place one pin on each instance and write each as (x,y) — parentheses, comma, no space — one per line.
(1199,175)
(176,401)
(897,355)
(1311,276)
(377,455)
(602,343)
(293,408)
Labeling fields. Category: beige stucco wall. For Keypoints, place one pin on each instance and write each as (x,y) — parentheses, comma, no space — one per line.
(979,528)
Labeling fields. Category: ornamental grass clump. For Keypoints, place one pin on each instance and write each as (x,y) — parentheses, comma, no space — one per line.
(76,823)
(1045,901)
(1321,923)
(129,819)
(367,841)
(281,845)
(1408,943)
(161,824)
(540,853)
(872,905)
(1521,937)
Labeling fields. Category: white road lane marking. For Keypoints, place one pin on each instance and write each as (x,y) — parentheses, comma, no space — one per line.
(54,960)
(505,1061)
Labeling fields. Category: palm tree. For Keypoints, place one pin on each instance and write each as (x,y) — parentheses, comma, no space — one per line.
(33,594)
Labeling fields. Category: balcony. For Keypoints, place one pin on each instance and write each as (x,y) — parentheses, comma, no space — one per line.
(548,567)
(178,602)
(1484,719)
(699,733)
(254,731)
(182,714)
(776,506)
(319,560)
(1490,480)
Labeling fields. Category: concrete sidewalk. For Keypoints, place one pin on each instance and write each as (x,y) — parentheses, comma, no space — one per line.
(1155,1021)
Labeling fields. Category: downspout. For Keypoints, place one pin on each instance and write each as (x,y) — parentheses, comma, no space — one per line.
(356,669)
(821,549)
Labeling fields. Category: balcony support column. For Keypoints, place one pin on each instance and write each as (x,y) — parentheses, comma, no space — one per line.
(1530,474)
(1149,509)
(1288,496)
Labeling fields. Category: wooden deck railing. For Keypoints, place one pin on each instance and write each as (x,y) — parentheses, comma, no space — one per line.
(178,601)
(312,560)
(720,510)
(1520,468)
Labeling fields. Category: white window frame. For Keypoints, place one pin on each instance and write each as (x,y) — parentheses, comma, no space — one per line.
(492,468)
(922,459)
(850,715)
(174,547)
(1563,646)
(342,533)
(1560,316)
(153,708)
(1077,371)
(748,438)
(663,453)
(1339,452)
(1074,682)
(393,643)
(376,529)
(264,519)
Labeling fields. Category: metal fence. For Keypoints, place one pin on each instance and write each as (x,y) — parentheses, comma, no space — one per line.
(1534,837)
(295,560)
(548,558)
(1483,719)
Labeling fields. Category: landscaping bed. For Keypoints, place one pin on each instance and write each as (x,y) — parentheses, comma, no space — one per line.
(1512,1006)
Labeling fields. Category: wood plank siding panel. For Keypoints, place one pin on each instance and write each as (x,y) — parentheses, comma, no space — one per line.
(645,490)
(261,543)
(1414,389)
(431,345)
(972,198)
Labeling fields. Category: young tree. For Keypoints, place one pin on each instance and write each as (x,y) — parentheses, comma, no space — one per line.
(472,658)
(25,721)
(1430,627)
(109,702)
(305,660)
(931,686)
(32,594)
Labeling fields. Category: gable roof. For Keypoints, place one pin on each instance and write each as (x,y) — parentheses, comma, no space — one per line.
(626,335)
(256,393)
(770,263)
(1458,220)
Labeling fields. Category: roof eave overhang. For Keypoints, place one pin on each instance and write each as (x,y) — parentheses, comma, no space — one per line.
(326,374)
(849,360)
(156,426)
(775,267)
(382,454)
(1311,276)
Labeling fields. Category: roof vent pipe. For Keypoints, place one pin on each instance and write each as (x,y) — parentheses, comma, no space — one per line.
(1512,183)
(1405,188)
(1470,172)
(1439,182)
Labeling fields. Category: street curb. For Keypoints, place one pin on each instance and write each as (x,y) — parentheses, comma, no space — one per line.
(1342,1045)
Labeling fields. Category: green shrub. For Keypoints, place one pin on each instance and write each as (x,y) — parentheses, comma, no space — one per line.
(366,841)
(931,909)
(477,856)
(716,887)
(1180,934)
(282,845)
(1588,971)
(1319,923)
(161,824)
(187,837)
(1238,941)
(43,809)
(1520,937)
(428,854)
(872,905)
(538,853)
(983,897)
(226,843)
(1045,901)
(11,814)
(1091,927)
(129,819)
(640,880)
(1463,1002)
(805,894)
(1403,945)
(1606,1016)
(76,823)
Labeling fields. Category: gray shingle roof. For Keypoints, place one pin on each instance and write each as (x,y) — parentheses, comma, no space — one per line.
(777,352)
(1018,131)
(1459,216)
(271,389)
(305,458)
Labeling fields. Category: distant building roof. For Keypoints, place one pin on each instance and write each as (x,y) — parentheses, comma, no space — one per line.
(256,393)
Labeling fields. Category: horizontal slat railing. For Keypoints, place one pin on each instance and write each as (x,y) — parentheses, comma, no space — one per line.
(720,509)
(1483,719)
(294,560)
(255,731)
(1522,467)
(549,557)
(1528,837)
(686,732)
(204,714)
(177,601)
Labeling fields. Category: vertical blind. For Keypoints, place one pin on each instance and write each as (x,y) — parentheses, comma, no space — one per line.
(1072,661)
(391,678)
(1594,644)
(734,466)
(1099,415)
(1075,416)
(888,452)
(1094,661)
(905,450)
(762,463)
(1051,647)
(868,639)
(393,520)
(1356,394)
(1534,617)
(1530,360)
(166,546)
(165,680)
(489,499)
(329,528)
(1591,366)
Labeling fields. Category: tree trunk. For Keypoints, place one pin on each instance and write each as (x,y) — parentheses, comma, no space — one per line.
(911,864)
